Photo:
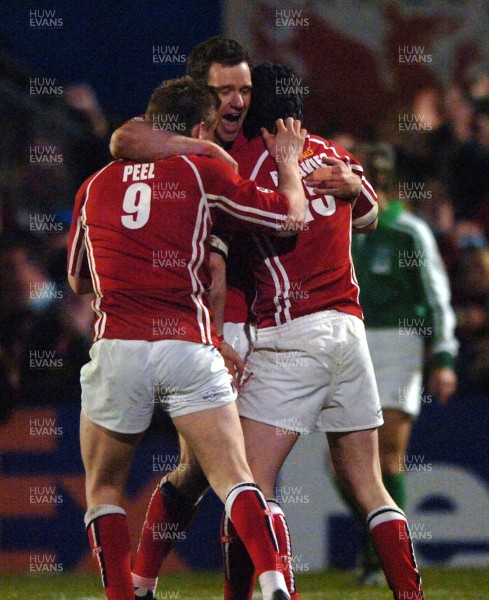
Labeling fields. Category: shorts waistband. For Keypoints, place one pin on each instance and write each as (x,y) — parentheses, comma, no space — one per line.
(299,322)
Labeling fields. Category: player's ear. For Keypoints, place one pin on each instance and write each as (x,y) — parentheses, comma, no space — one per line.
(199,130)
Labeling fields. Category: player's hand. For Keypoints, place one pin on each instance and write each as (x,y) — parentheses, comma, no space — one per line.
(442,383)
(340,181)
(234,363)
(287,144)
(214,151)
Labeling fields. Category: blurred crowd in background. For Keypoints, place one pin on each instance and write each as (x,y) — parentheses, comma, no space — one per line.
(52,142)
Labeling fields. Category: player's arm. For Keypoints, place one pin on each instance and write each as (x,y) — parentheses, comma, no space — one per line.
(217,293)
(217,303)
(442,380)
(335,179)
(243,204)
(285,147)
(138,140)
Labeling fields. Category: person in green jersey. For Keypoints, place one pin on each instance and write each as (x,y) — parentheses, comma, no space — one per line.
(405,296)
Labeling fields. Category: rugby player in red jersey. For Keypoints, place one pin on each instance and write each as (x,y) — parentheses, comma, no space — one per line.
(137,358)
(310,365)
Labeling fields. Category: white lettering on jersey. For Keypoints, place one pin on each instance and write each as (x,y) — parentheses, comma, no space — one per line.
(138,171)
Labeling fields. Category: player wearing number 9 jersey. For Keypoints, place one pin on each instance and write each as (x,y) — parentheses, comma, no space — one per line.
(142,230)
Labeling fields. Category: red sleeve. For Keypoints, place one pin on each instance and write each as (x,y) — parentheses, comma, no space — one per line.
(240,201)
(77,258)
(366,209)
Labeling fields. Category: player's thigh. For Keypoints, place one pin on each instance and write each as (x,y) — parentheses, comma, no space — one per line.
(107,457)
(267,447)
(216,439)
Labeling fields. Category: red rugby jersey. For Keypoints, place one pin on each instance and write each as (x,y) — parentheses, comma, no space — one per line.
(313,272)
(143,228)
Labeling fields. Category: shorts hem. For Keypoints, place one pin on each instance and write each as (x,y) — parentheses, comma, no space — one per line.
(100,423)
(351,429)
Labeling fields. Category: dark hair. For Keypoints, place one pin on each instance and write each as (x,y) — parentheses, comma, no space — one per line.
(276,95)
(217,49)
(179,104)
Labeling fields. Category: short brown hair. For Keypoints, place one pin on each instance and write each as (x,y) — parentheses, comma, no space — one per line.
(217,49)
(179,104)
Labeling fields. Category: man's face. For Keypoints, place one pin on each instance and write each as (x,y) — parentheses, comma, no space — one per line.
(233,84)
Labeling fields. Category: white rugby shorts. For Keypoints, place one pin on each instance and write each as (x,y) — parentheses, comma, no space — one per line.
(312,374)
(398,366)
(240,336)
(125,379)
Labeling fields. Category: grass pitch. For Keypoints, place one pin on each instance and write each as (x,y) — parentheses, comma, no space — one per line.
(439,583)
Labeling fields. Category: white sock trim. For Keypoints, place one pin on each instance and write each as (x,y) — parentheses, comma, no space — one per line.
(246,486)
(275,507)
(102,509)
(270,582)
(148,583)
(385,513)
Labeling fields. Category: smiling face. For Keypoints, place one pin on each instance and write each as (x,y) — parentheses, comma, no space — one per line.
(233,85)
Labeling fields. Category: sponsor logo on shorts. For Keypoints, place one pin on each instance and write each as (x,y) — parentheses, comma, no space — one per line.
(215,394)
